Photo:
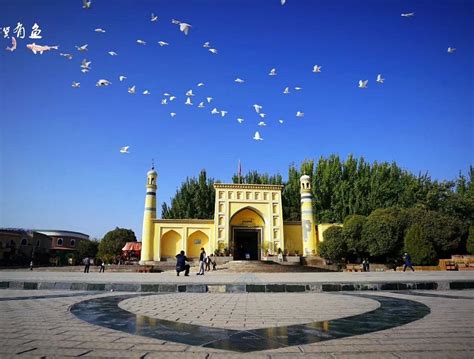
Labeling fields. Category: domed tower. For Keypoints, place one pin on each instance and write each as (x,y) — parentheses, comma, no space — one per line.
(148,216)
(307,218)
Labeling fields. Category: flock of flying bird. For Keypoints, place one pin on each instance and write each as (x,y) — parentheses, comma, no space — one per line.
(168,97)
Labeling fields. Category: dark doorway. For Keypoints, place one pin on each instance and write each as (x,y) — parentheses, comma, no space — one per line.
(246,244)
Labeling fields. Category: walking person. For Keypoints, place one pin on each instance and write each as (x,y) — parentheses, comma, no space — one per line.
(202,259)
(102,266)
(181,264)
(208,263)
(31,265)
(87,264)
(407,259)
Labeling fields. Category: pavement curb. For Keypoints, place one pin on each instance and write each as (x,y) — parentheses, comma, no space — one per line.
(240,287)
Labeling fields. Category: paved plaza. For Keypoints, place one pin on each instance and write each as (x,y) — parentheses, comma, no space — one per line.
(367,324)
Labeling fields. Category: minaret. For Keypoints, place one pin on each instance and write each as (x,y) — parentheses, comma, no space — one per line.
(148,216)
(307,219)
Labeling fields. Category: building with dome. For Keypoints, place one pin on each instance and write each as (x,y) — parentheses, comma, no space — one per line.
(248,224)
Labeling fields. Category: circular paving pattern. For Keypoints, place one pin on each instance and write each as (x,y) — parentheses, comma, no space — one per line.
(244,311)
(390,313)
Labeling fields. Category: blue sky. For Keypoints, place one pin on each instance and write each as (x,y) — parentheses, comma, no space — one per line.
(60,161)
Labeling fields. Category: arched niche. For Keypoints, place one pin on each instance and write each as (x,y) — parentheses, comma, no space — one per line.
(171,244)
(197,240)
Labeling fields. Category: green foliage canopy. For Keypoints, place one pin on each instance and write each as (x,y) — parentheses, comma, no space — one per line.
(334,247)
(110,247)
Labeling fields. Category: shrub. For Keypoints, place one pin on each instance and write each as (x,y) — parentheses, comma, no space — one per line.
(470,241)
(420,246)
(334,247)
(352,232)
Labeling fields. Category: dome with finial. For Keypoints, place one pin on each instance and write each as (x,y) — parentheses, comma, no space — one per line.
(305,178)
(152,172)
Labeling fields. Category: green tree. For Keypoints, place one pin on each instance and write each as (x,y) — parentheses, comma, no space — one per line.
(352,232)
(470,240)
(110,247)
(418,243)
(334,246)
(382,233)
(291,197)
(194,199)
(87,248)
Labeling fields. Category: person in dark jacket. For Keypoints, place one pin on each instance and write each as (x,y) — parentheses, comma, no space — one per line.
(407,259)
(181,264)
(202,262)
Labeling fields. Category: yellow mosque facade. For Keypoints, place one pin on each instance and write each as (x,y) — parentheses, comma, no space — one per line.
(248,225)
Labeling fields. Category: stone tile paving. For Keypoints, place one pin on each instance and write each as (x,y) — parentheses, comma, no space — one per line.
(247,310)
(36,328)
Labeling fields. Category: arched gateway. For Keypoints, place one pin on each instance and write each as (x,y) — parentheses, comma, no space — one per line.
(248,225)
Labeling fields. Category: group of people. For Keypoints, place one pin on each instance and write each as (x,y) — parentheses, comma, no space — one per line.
(205,262)
(87,263)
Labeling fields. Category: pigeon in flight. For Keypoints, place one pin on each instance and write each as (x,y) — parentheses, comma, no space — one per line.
(200,84)
(261,123)
(363,84)
(297,88)
(408,14)
(75,84)
(239,80)
(207,45)
(189,93)
(154,18)
(209,99)
(262,115)
(214,51)
(281,121)
(67,56)
(13,47)
(380,79)
(223,113)
(176,22)
(162,43)
(451,50)
(272,72)
(86,4)
(121,78)
(183,27)
(316,68)
(102,83)
(124,149)
(172,98)
(112,53)
(257,137)
(215,111)
(201,105)
(85,65)
(188,101)
(99,30)
(141,42)
(146,92)
(82,48)
(257,108)
(164,101)
(132,89)
(286,90)
(240,120)
(173,114)
(299,114)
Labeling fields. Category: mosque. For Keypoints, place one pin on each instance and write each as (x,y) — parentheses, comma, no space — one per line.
(248,224)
